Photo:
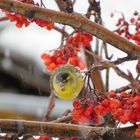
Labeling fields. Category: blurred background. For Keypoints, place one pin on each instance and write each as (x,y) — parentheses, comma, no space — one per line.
(24,80)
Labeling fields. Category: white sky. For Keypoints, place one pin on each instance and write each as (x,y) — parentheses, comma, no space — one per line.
(33,40)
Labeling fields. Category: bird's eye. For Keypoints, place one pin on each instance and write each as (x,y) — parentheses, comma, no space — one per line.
(62,77)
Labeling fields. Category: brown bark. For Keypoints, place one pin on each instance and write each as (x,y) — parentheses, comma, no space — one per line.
(65,5)
(61,5)
(51,105)
(95,75)
(66,130)
(74,20)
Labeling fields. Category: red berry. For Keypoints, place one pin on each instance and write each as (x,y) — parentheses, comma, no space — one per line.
(45,56)
(59,60)
(73,61)
(132,20)
(76,104)
(48,61)
(52,66)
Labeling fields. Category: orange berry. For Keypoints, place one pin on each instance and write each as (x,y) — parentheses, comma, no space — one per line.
(73,61)
(59,60)
(48,61)
(81,66)
(45,56)
(52,66)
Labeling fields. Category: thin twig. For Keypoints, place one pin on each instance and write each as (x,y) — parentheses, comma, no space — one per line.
(123,88)
(116,62)
(62,119)
(65,5)
(60,30)
(50,107)
(124,59)
(108,64)
(107,70)
(3,19)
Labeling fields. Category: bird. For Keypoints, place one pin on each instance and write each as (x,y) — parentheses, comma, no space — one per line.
(66,81)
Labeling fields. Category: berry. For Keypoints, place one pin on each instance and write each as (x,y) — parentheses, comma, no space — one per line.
(132,20)
(20,20)
(136,37)
(52,66)
(80,39)
(137,132)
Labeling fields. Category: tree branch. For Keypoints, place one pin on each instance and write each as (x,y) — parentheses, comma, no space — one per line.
(50,107)
(3,19)
(106,65)
(65,5)
(74,20)
(66,130)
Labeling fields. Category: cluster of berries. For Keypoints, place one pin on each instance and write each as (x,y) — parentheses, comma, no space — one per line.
(62,56)
(84,112)
(124,107)
(80,39)
(68,53)
(136,37)
(20,20)
(123,28)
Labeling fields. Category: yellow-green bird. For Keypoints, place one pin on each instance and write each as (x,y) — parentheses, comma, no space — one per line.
(66,81)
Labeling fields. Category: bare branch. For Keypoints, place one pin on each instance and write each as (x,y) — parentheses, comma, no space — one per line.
(50,107)
(123,88)
(62,31)
(3,19)
(65,5)
(66,130)
(62,119)
(124,59)
(106,65)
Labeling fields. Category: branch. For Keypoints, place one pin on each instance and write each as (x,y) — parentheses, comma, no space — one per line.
(65,5)
(62,119)
(74,20)
(50,107)
(124,59)
(3,19)
(115,62)
(106,65)
(123,88)
(66,130)
(60,30)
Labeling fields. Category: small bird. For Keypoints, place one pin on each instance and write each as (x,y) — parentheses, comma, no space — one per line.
(66,81)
